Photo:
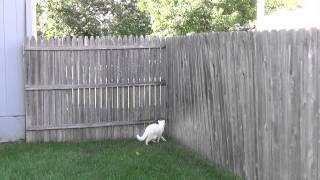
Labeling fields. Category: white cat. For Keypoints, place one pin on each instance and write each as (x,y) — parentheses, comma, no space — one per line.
(153,132)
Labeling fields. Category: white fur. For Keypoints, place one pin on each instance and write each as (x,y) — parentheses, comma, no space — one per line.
(153,132)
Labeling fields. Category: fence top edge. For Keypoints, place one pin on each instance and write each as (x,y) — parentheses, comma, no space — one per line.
(84,48)
(94,38)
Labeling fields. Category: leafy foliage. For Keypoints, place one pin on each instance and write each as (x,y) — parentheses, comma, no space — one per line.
(94,18)
(124,17)
(142,17)
(188,16)
(272,5)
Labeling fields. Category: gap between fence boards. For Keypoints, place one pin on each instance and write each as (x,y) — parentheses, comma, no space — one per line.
(89,125)
(77,86)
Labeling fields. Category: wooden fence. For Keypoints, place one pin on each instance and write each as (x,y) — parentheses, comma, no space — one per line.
(90,89)
(248,101)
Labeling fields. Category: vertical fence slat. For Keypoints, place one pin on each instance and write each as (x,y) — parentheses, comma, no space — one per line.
(317,109)
(130,95)
(162,100)
(136,89)
(107,91)
(141,62)
(27,104)
(125,73)
(115,63)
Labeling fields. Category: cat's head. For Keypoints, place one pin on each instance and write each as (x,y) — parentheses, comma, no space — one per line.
(161,122)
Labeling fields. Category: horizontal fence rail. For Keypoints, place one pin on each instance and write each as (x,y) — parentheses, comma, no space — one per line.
(77,86)
(89,125)
(93,88)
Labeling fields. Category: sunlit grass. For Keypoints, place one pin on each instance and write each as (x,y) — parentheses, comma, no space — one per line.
(125,159)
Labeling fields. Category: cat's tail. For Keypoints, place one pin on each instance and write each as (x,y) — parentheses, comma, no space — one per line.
(143,137)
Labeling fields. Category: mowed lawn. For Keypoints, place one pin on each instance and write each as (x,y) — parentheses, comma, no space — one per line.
(121,159)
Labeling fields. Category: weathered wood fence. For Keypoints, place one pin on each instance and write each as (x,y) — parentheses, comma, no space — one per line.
(90,89)
(249,101)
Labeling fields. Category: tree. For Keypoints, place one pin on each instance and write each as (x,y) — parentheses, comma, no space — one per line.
(273,5)
(95,18)
(141,17)
(40,10)
(187,16)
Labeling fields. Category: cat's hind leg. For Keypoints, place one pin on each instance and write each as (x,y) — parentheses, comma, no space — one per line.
(158,139)
(163,138)
(148,140)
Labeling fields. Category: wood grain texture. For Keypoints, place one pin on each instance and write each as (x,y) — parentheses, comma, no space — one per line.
(248,101)
(91,81)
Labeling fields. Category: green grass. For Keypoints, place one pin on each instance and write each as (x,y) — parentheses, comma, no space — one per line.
(125,159)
